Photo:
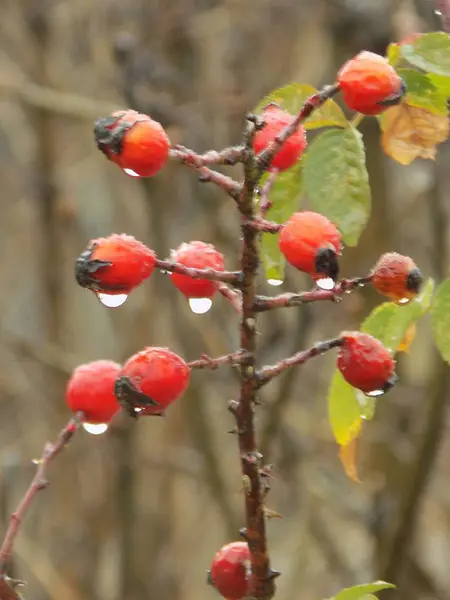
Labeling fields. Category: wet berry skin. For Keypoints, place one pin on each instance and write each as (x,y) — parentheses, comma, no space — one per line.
(196,255)
(151,380)
(311,243)
(90,389)
(115,264)
(276,120)
(230,570)
(133,141)
(369,84)
(397,277)
(365,363)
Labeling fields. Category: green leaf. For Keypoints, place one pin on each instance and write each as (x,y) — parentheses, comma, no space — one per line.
(357,592)
(344,412)
(440,319)
(440,82)
(292,97)
(422,92)
(337,182)
(430,52)
(393,54)
(286,195)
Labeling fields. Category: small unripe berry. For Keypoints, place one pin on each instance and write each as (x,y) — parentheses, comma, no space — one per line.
(397,277)
(135,142)
(370,84)
(311,243)
(230,570)
(366,364)
(90,389)
(114,265)
(151,380)
(196,255)
(276,120)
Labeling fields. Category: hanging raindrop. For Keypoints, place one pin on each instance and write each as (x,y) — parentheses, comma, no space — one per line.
(326,283)
(275,282)
(200,306)
(112,300)
(95,428)
(131,173)
(375,393)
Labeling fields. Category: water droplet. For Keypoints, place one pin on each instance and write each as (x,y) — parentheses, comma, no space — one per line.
(131,173)
(95,428)
(404,301)
(200,306)
(275,282)
(326,283)
(138,410)
(438,13)
(375,393)
(112,300)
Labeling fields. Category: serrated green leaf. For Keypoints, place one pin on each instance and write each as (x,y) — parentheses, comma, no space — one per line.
(344,412)
(357,592)
(393,54)
(336,181)
(440,319)
(286,195)
(430,52)
(292,97)
(422,92)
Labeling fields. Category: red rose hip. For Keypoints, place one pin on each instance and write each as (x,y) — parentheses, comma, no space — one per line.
(397,277)
(366,364)
(230,570)
(90,390)
(369,84)
(311,243)
(276,120)
(135,142)
(151,380)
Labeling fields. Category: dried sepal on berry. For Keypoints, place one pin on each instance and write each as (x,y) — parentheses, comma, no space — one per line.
(151,380)
(134,141)
(196,255)
(230,571)
(369,84)
(312,244)
(90,390)
(366,364)
(114,265)
(276,120)
(397,277)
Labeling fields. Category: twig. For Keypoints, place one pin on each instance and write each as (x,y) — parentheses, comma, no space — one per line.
(229,185)
(288,300)
(233,296)
(264,201)
(228,156)
(443,9)
(313,102)
(38,483)
(266,374)
(262,225)
(206,362)
(233,277)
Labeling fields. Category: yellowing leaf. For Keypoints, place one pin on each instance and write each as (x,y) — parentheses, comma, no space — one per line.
(344,412)
(408,339)
(347,455)
(410,132)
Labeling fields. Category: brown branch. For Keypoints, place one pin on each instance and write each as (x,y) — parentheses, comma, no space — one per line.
(206,362)
(233,277)
(228,156)
(443,9)
(38,483)
(312,103)
(233,296)
(262,225)
(266,374)
(288,300)
(264,202)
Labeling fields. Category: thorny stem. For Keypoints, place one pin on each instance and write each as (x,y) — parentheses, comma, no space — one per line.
(233,277)
(288,300)
(266,374)
(206,362)
(262,225)
(234,297)
(264,201)
(38,483)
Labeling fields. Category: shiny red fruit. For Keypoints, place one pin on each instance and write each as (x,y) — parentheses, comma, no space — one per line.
(369,84)
(133,141)
(311,243)
(397,277)
(90,389)
(366,364)
(230,570)
(196,255)
(276,120)
(114,265)
(151,380)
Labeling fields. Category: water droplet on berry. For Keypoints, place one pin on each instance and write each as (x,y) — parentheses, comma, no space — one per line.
(112,300)
(138,410)
(326,283)
(404,301)
(375,393)
(275,282)
(131,173)
(200,306)
(438,13)
(95,428)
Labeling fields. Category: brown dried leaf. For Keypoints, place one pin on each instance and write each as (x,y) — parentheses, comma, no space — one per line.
(347,454)
(410,132)
(407,339)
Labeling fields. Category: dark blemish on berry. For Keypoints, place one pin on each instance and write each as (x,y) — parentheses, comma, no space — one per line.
(109,133)
(396,98)
(414,280)
(130,398)
(327,263)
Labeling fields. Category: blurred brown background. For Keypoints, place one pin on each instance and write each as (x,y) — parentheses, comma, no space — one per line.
(139,512)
